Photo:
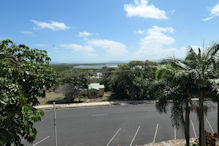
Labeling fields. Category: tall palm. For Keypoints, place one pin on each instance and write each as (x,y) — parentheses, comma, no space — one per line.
(204,64)
(174,82)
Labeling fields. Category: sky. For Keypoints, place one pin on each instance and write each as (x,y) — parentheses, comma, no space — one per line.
(85,31)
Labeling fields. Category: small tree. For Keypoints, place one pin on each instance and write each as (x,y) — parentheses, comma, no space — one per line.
(174,82)
(25,75)
(73,82)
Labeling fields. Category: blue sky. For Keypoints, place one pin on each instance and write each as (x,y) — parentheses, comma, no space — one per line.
(85,31)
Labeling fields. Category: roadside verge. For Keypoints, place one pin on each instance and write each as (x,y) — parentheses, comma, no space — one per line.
(93,104)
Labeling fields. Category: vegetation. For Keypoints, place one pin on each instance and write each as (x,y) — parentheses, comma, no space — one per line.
(25,75)
(106,79)
(133,80)
(61,67)
(204,64)
(183,80)
(74,83)
(174,82)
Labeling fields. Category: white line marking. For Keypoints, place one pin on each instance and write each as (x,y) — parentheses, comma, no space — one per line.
(41,141)
(174,132)
(134,136)
(193,128)
(155,134)
(113,136)
(210,125)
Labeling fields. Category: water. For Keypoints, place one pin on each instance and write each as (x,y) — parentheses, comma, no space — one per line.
(96,66)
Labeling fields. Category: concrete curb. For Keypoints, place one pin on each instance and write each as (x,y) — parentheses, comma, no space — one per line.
(93,104)
(177,142)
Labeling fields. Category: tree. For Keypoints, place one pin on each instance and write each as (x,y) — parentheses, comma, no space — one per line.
(74,82)
(132,80)
(106,78)
(204,63)
(25,75)
(174,82)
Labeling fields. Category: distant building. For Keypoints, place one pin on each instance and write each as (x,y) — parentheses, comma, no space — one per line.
(97,76)
(95,90)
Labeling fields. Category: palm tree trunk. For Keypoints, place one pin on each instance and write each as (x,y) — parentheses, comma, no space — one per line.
(218,116)
(201,120)
(187,124)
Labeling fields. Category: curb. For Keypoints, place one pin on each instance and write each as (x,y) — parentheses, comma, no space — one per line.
(176,142)
(93,104)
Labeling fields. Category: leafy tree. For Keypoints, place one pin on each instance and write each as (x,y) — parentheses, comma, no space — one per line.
(74,82)
(132,80)
(25,75)
(106,78)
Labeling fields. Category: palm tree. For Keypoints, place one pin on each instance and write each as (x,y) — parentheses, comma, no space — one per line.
(172,82)
(204,64)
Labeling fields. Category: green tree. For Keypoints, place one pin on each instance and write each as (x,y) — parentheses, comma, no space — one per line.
(106,78)
(25,75)
(175,82)
(204,63)
(132,80)
(74,82)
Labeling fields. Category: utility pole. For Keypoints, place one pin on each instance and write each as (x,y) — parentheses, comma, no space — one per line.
(55,129)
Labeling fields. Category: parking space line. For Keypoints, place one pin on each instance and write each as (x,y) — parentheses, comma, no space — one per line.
(134,136)
(155,134)
(113,136)
(210,125)
(174,132)
(193,128)
(41,141)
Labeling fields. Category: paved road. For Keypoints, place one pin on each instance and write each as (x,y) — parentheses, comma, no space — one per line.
(112,126)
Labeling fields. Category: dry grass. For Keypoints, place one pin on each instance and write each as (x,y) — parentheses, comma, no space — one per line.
(59,98)
(106,97)
(51,96)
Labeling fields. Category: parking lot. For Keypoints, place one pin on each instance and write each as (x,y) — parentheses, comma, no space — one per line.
(113,126)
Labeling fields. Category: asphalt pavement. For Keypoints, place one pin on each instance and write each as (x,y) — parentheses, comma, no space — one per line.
(128,125)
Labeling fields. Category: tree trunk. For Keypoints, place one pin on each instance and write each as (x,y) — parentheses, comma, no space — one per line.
(218,116)
(201,120)
(187,124)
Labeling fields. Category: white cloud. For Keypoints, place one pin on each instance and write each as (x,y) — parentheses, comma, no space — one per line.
(141,8)
(83,49)
(113,48)
(27,32)
(139,31)
(153,45)
(84,34)
(213,12)
(101,48)
(53,25)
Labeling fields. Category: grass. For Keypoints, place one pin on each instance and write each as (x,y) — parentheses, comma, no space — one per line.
(51,96)
(106,97)
(59,98)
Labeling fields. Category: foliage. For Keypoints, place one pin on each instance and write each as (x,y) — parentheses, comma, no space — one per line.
(24,75)
(106,79)
(171,84)
(193,77)
(205,68)
(61,67)
(210,139)
(132,80)
(74,82)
